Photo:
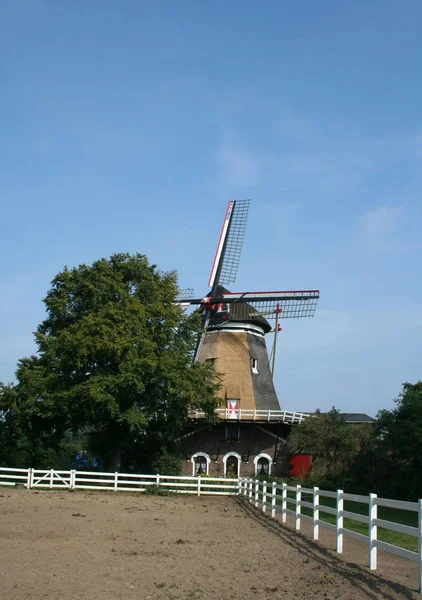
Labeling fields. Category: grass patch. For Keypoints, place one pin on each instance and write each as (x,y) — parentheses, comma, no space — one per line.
(395,515)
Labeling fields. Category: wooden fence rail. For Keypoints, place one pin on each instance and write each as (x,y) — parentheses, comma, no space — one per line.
(275,499)
(129,482)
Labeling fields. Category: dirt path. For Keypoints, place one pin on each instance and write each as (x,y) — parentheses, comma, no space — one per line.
(61,545)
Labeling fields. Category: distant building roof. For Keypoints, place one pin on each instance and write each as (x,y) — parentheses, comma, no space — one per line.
(356,418)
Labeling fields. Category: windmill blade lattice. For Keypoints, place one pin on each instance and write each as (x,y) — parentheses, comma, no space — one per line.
(184,295)
(229,247)
(288,305)
(234,242)
(289,309)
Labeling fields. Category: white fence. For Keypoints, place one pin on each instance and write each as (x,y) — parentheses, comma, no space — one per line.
(122,482)
(245,414)
(275,499)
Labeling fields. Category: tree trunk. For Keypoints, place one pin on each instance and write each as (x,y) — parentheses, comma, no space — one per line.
(114,464)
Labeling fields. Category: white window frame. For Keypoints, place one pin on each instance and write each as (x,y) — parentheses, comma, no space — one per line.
(263,455)
(254,365)
(204,455)
(239,461)
(236,412)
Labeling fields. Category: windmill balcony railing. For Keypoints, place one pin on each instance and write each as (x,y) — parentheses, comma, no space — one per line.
(242,414)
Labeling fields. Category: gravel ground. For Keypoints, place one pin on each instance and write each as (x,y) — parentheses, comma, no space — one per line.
(80,545)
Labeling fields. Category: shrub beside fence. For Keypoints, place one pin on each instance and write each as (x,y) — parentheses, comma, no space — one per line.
(282,499)
(117,482)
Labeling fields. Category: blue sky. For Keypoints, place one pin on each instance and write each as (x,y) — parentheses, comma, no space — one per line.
(126,126)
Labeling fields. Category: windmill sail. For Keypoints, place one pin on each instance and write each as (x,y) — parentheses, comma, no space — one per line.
(290,304)
(229,248)
(183,296)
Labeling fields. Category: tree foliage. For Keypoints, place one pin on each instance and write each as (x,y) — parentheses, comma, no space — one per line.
(332,443)
(114,361)
(327,438)
(27,438)
(399,443)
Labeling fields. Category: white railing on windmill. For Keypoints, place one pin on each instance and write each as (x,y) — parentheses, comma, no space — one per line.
(223,310)
(244,414)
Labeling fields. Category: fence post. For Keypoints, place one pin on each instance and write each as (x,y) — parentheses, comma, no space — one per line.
(315,516)
(31,483)
(273,499)
(420,545)
(264,496)
(284,503)
(298,507)
(199,485)
(51,477)
(28,479)
(72,479)
(250,490)
(157,480)
(116,478)
(373,531)
(256,493)
(339,521)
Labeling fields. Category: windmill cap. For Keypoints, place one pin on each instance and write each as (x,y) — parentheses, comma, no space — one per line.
(243,312)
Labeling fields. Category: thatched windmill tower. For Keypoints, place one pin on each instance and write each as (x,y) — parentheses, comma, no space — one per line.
(235,325)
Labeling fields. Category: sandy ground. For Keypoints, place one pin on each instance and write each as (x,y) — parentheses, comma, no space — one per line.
(62,545)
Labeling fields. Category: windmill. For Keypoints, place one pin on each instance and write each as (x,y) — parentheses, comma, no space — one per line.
(235,323)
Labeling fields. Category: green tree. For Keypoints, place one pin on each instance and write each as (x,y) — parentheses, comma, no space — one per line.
(114,361)
(329,440)
(28,438)
(399,435)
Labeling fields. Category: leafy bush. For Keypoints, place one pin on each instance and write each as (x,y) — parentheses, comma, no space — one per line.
(166,464)
(157,490)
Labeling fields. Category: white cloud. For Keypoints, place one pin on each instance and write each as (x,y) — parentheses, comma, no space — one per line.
(380,223)
(310,156)
(241,168)
(353,330)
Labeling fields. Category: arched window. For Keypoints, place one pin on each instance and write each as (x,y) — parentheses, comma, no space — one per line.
(231,462)
(200,464)
(263,463)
